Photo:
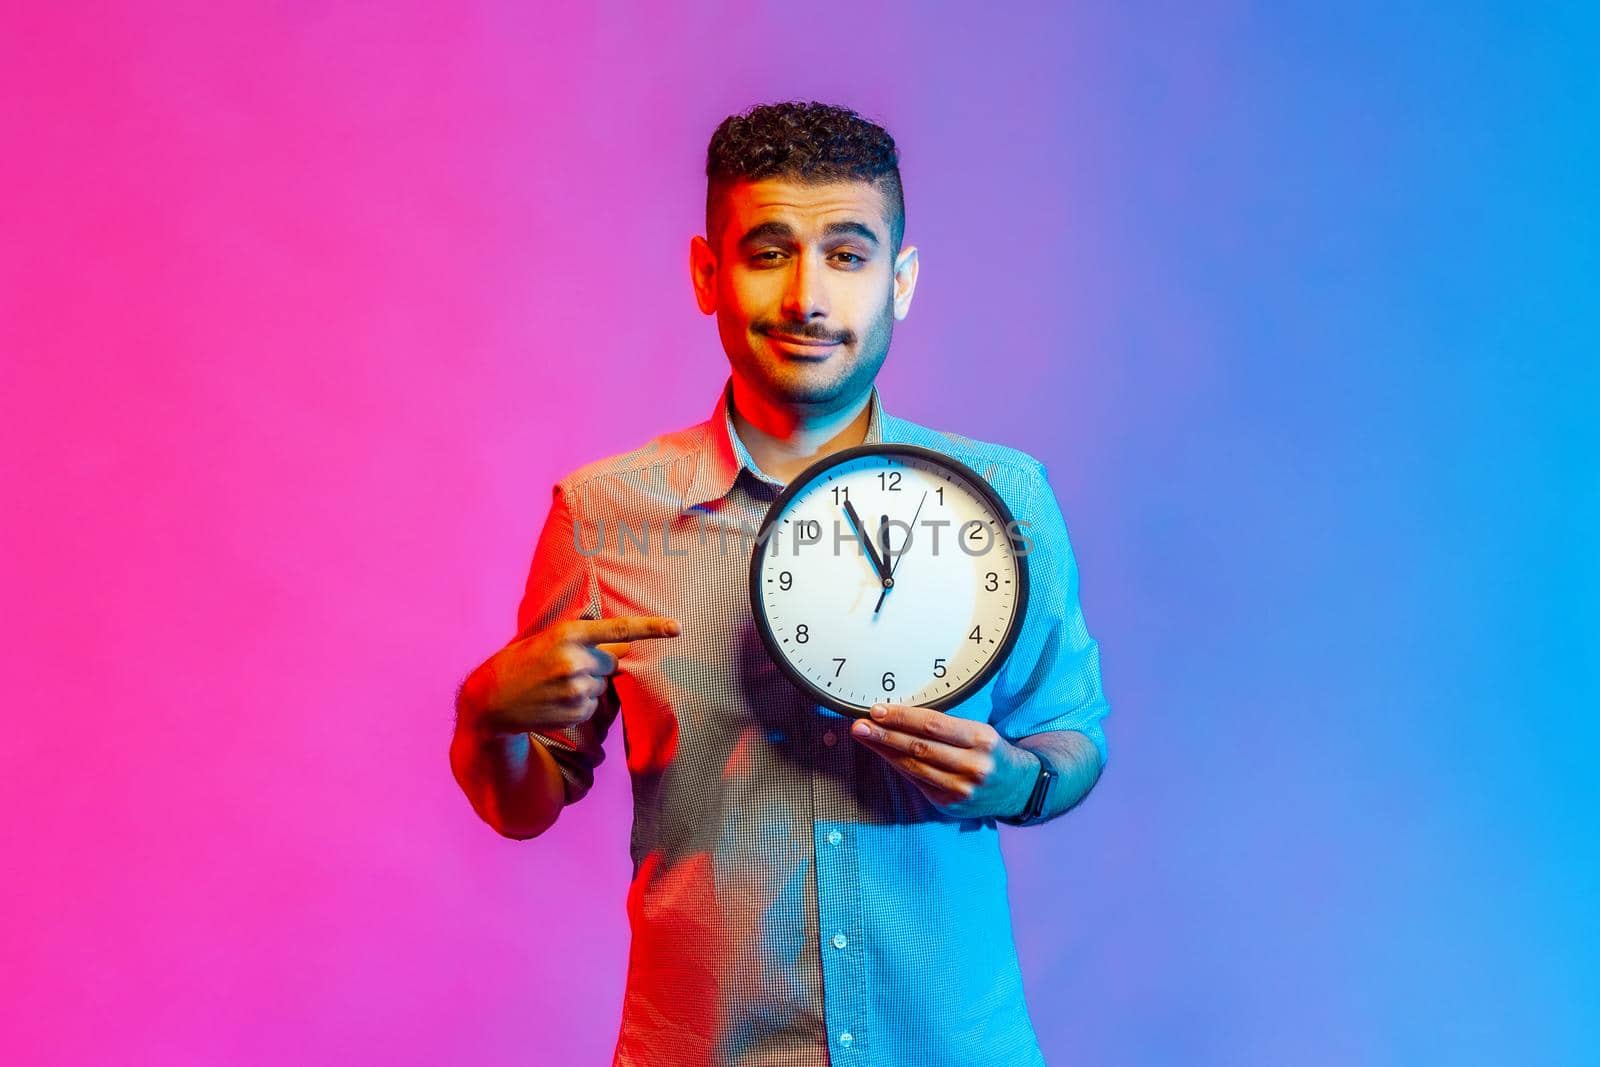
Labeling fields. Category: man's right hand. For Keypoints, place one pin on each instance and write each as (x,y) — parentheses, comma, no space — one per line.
(554,678)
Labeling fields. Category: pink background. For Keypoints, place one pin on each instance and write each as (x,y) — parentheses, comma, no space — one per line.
(303,307)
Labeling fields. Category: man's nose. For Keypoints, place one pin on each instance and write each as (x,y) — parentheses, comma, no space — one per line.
(805,297)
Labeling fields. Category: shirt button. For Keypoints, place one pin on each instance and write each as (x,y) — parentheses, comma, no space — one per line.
(829,738)
(845,1038)
(834,837)
(840,941)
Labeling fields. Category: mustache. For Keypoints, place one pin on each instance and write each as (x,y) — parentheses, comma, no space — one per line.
(805,331)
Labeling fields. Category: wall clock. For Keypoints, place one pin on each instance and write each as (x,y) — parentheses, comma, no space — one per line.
(889,573)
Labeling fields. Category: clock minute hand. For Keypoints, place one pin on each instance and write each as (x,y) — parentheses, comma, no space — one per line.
(888,583)
(866,542)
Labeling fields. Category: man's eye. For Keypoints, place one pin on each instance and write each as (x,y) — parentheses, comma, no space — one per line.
(850,257)
(771,255)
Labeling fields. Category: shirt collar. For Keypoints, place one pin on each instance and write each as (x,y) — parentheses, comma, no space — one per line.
(722,455)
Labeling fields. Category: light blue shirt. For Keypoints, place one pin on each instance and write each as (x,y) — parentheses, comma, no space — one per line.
(795,901)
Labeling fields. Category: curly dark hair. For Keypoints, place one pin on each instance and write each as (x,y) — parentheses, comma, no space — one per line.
(808,142)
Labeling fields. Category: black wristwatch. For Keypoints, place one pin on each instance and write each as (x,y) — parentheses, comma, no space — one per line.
(1036,799)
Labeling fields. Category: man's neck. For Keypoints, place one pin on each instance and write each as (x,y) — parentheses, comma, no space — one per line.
(784,440)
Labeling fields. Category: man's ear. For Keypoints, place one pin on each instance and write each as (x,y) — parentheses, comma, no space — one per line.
(905,280)
(703,274)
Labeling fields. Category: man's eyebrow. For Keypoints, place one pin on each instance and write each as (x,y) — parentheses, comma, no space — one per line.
(767,231)
(852,229)
(781,232)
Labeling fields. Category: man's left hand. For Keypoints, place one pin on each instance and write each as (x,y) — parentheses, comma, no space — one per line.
(964,768)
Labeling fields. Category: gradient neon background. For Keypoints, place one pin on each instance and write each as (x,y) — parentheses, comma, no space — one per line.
(303,307)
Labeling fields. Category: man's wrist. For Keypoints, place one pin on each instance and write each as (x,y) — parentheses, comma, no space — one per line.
(1028,800)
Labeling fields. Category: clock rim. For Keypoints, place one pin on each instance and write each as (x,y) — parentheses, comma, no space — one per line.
(985,490)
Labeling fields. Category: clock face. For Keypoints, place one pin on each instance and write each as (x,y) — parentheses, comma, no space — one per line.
(926,616)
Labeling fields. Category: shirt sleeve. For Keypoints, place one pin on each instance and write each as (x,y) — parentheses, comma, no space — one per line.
(561,586)
(1051,680)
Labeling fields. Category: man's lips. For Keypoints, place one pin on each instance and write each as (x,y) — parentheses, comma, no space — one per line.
(812,344)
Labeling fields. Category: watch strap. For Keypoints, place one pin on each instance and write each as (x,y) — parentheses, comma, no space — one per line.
(1037,798)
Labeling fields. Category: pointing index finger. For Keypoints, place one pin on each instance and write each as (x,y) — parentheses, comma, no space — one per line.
(622,628)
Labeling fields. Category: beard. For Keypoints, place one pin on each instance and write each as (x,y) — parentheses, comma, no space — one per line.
(821,385)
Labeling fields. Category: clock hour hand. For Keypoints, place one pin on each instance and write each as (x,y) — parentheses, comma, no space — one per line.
(866,542)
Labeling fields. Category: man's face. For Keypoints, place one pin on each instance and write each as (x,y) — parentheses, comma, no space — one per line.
(805,288)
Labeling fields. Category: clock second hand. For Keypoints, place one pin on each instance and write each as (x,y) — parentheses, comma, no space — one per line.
(894,565)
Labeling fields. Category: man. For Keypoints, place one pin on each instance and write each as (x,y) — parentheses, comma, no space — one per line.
(808,888)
